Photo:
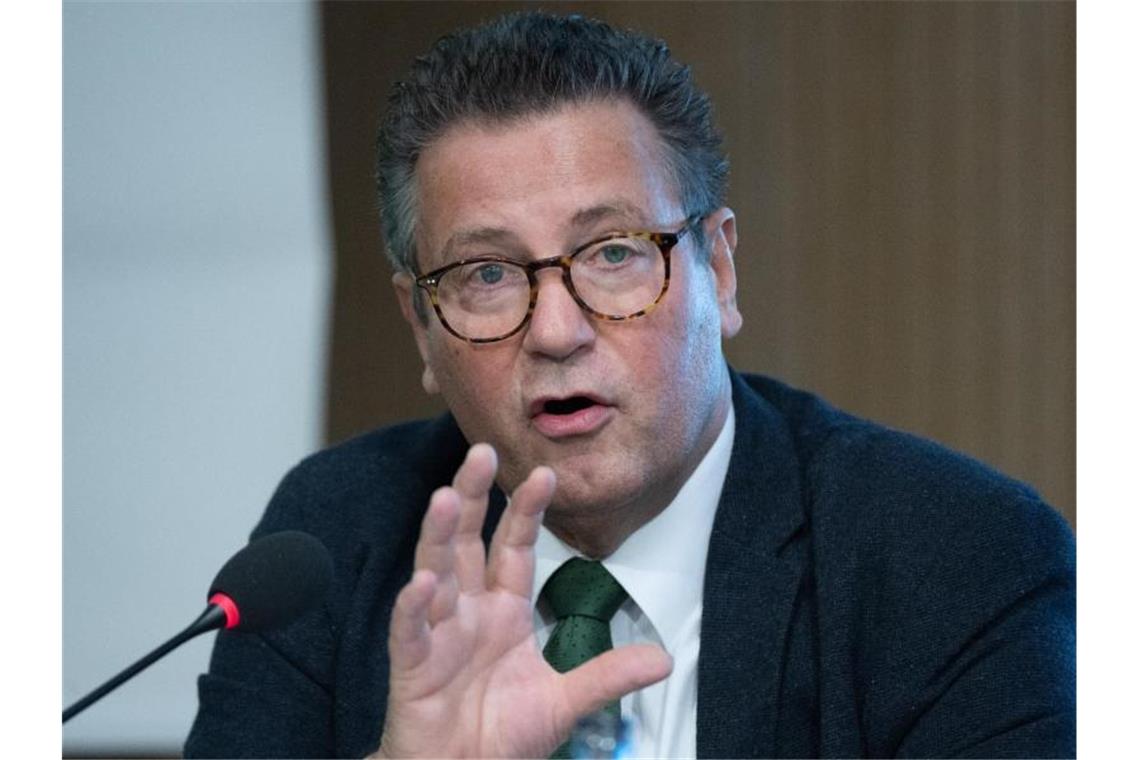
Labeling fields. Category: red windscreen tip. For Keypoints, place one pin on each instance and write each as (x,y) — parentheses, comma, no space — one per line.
(233,617)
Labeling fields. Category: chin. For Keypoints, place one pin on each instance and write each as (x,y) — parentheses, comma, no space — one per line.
(583,491)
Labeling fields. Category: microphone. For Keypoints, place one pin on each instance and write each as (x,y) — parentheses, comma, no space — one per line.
(269,583)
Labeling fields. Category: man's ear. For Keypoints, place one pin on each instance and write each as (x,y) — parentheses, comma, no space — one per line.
(720,229)
(405,288)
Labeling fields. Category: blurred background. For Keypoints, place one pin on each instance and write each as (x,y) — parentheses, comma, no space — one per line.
(903,176)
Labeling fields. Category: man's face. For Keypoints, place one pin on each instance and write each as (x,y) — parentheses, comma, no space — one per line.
(650,392)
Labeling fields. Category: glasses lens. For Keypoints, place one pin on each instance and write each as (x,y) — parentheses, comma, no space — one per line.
(619,277)
(484,299)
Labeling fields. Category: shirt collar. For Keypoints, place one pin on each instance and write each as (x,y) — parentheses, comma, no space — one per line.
(662,564)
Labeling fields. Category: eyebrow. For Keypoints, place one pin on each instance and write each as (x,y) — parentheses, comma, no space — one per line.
(618,210)
(484,235)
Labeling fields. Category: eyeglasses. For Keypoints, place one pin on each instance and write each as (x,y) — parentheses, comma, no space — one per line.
(620,276)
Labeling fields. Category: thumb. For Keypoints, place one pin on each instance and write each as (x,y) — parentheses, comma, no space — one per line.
(610,676)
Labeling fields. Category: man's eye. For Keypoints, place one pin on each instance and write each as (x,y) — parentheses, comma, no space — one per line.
(489,274)
(615,254)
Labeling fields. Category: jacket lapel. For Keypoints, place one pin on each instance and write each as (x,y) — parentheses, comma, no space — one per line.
(751,581)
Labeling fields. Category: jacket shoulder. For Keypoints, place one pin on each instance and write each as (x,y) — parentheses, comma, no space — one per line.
(372,488)
(953,584)
(914,519)
(851,465)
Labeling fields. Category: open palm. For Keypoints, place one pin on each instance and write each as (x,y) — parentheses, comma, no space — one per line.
(467,677)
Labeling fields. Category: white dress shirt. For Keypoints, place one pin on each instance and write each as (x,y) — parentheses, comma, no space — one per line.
(662,566)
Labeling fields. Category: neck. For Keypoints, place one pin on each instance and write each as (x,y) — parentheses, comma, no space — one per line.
(598,539)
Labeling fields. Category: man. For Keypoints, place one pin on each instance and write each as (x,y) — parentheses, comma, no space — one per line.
(777,578)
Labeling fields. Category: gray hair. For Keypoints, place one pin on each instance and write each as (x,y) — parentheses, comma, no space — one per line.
(531,63)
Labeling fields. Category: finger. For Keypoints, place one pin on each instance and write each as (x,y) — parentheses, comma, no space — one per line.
(610,676)
(510,564)
(473,483)
(435,551)
(409,638)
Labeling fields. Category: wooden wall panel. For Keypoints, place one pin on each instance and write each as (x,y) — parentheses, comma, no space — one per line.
(904,180)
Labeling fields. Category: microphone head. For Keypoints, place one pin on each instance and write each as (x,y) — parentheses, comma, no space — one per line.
(274,579)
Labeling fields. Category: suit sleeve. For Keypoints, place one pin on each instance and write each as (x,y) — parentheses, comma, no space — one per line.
(981,649)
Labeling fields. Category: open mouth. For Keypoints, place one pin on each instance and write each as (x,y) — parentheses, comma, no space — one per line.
(570,416)
(564,406)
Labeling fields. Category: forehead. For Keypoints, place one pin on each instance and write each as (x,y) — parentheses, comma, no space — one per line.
(568,172)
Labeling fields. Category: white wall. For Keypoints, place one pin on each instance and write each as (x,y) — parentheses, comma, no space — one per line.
(197,261)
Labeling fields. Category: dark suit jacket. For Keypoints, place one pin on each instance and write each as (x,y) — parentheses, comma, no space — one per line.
(867,593)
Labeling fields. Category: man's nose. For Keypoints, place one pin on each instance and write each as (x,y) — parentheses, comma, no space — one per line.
(558,326)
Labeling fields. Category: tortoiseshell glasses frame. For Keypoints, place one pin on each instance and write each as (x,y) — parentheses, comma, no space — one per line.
(664,242)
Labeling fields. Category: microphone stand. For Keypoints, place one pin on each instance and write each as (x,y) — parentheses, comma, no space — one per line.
(213,617)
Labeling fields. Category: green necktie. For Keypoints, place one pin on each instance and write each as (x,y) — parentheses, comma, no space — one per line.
(582,596)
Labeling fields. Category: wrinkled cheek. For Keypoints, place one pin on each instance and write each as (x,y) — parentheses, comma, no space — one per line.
(476,387)
(460,368)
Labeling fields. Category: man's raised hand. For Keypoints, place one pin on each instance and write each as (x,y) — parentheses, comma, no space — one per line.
(467,677)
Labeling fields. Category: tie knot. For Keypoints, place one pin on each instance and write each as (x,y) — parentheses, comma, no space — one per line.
(583,587)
